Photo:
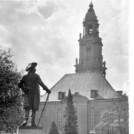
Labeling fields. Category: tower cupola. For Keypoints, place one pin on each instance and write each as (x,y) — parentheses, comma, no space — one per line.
(90,24)
(90,15)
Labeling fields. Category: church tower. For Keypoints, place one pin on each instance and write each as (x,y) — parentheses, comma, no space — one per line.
(90,45)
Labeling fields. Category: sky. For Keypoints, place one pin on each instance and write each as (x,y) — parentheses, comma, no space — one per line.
(47,32)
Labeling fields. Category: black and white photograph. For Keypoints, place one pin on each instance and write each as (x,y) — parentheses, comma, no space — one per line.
(64,67)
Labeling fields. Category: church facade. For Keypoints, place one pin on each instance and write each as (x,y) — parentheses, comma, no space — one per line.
(100,109)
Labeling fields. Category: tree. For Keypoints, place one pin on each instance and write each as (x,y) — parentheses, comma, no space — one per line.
(11,113)
(53,129)
(71,123)
(115,117)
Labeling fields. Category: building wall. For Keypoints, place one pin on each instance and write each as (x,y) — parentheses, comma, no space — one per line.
(89,114)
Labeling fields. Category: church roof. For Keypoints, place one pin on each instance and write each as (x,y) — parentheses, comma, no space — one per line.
(83,83)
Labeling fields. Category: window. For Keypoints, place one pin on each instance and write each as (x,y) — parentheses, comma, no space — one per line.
(44,121)
(110,121)
(59,120)
(110,130)
(90,28)
(92,119)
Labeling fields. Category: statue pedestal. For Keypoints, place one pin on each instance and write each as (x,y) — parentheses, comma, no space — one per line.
(30,130)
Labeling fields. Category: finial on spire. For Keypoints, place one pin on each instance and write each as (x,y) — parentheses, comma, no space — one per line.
(91,5)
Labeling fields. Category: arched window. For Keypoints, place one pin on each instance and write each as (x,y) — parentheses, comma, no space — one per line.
(90,29)
(59,120)
(92,119)
(44,125)
(110,121)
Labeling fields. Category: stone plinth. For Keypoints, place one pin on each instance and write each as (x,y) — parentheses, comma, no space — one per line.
(31,130)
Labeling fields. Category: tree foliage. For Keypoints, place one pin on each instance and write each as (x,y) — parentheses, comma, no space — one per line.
(53,129)
(11,113)
(71,123)
(115,118)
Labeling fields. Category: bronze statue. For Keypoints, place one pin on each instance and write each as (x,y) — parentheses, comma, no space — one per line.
(30,86)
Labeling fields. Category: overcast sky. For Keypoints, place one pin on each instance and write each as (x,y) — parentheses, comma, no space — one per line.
(47,32)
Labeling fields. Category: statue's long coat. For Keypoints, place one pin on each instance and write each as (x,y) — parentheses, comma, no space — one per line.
(33,81)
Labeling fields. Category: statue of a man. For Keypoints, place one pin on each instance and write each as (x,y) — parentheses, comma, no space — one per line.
(30,86)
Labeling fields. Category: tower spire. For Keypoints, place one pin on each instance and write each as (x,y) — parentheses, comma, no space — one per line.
(90,45)
(90,22)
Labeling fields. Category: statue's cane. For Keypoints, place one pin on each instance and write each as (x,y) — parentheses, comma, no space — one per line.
(43,109)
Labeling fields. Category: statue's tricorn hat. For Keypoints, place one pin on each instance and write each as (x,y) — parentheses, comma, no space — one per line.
(31,66)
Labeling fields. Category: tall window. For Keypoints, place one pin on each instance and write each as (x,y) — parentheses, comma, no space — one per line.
(44,121)
(59,120)
(123,119)
(92,119)
(110,130)
(110,121)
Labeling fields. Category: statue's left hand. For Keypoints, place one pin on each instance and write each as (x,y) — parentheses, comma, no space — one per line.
(48,91)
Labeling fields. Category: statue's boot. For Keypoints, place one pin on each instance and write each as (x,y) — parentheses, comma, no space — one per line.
(27,110)
(33,118)
(24,124)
